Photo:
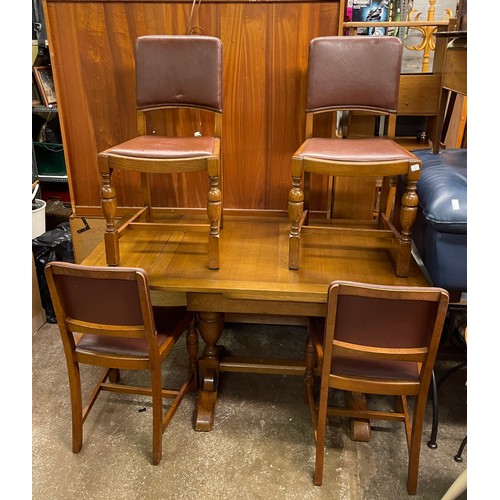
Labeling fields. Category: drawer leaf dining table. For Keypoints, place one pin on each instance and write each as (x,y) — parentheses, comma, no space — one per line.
(253,284)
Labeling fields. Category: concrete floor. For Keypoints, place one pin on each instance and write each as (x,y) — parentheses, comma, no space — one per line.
(261,446)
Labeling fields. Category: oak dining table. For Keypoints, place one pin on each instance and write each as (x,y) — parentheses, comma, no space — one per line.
(253,284)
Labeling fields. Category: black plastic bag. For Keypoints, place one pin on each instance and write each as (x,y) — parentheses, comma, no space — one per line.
(50,246)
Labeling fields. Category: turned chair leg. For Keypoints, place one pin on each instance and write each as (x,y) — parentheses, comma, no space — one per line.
(108,204)
(214,210)
(295,212)
(407,216)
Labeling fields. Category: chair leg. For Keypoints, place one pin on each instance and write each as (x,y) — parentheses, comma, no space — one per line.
(295,211)
(320,452)
(407,216)
(435,389)
(458,456)
(214,211)
(320,436)
(415,442)
(108,204)
(157,402)
(434,395)
(76,407)
(213,251)
(146,196)
(293,250)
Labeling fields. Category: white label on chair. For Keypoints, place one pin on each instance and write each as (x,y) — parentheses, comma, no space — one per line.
(415,167)
(455,204)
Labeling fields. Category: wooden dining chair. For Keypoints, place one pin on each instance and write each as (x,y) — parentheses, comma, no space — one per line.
(173,72)
(375,340)
(358,74)
(106,319)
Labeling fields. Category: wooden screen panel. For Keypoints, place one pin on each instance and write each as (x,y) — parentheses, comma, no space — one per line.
(265,64)
(244,121)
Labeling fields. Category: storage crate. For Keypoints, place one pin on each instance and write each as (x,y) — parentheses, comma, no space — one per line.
(50,158)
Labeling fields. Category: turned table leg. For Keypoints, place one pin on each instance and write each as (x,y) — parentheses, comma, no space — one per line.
(211,325)
(360,427)
(192,349)
(309,373)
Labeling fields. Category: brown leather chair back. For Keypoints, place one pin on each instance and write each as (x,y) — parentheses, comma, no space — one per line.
(101,301)
(360,72)
(385,322)
(113,300)
(375,321)
(176,70)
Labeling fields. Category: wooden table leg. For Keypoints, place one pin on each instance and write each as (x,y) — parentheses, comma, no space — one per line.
(360,427)
(192,350)
(211,325)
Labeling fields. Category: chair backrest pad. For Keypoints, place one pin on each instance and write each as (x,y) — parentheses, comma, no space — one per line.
(360,72)
(94,300)
(379,322)
(176,70)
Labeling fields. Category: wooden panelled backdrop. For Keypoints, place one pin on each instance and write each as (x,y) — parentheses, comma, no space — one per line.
(264,88)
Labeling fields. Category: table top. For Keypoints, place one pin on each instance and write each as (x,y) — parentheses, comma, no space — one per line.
(254,261)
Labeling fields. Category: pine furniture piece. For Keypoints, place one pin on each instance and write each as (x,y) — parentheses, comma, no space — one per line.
(355,74)
(106,318)
(254,285)
(172,71)
(377,340)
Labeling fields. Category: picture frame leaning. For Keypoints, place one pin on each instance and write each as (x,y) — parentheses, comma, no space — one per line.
(45,82)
